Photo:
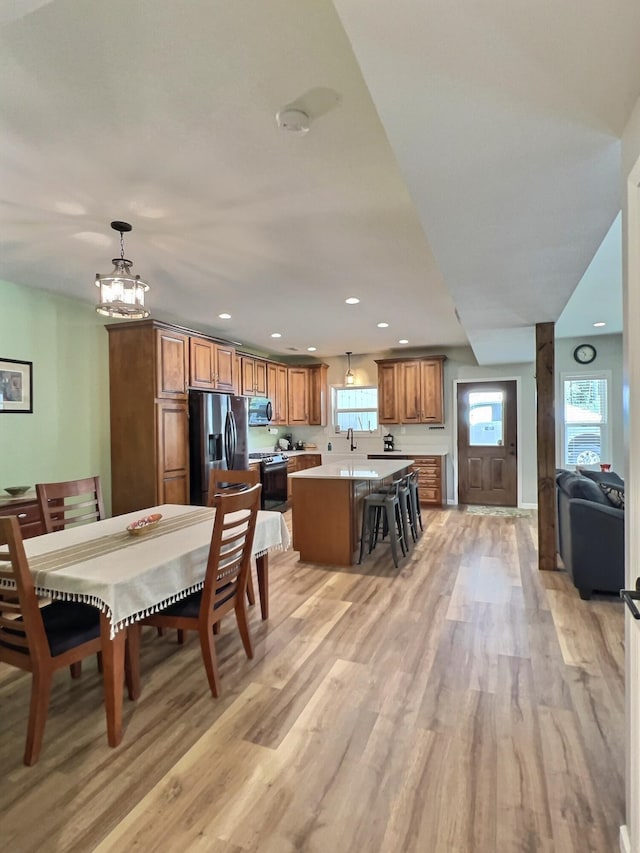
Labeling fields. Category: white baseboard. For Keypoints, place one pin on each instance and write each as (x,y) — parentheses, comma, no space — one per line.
(528,506)
(625,844)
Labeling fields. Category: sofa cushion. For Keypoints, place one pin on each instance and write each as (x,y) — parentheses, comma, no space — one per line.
(577,486)
(614,494)
(604,477)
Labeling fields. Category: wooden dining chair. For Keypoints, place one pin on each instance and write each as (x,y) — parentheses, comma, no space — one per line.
(221,482)
(69,502)
(66,503)
(224,481)
(42,640)
(225,579)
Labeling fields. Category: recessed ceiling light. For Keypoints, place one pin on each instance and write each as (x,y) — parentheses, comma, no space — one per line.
(311,349)
(276,335)
(403,341)
(599,324)
(383,325)
(224,316)
(352,300)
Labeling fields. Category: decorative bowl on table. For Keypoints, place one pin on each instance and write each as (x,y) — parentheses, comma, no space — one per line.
(143,525)
(16,491)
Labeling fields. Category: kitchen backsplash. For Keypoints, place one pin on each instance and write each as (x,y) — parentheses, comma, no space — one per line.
(407,438)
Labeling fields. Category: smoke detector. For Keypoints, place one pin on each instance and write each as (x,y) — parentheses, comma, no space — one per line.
(294,121)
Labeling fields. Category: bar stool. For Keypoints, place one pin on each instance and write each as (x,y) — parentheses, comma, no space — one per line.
(383,506)
(415,500)
(406,515)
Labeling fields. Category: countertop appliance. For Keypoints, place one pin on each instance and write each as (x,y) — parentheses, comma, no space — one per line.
(273,476)
(218,438)
(388,441)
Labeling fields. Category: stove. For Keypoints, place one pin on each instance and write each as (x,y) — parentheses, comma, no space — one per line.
(273,476)
(269,458)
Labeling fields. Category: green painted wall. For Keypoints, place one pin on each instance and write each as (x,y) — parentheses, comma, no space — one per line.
(67,436)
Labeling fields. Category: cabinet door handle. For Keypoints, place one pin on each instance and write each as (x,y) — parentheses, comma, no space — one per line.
(22,515)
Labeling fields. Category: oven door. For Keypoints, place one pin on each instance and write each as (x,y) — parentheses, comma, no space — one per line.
(273,476)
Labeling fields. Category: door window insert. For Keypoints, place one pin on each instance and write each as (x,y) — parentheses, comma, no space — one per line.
(486,418)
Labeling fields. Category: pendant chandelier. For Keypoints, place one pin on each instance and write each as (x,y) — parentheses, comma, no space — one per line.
(121,293)
(349,378)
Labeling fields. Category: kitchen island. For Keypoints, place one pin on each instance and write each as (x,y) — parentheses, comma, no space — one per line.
(327,506)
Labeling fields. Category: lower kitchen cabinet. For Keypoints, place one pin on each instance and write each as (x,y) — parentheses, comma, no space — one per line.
(432,486)
(301,463)
(431,479)
(173,453)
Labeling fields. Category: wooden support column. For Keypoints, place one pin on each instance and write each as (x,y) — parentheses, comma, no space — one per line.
(546,434)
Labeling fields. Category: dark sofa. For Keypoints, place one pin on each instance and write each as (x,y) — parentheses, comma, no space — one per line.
(590,532)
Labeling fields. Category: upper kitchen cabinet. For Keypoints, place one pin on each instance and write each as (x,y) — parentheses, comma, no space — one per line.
(307,395)
(277,392)
(388,409)
(418,397)
(212,365)
(253,376)
(318,393)
(172,361)
(298,395)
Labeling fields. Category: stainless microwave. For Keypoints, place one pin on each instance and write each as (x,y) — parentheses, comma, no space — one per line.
(260,411)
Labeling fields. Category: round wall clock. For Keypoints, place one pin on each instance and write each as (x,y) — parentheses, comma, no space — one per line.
(584,353)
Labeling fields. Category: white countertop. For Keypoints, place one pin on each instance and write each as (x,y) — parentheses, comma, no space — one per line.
(355,469)
(429,451)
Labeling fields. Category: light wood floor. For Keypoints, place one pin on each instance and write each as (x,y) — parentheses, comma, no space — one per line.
(464,703)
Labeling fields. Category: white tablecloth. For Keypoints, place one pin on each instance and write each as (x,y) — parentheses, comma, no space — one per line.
(137,575)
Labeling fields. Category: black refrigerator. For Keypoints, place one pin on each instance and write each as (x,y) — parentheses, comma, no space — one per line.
(218,438)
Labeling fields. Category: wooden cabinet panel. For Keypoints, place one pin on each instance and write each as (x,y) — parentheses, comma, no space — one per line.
(318,394)
(432,392)
(211,365)
(201,363)
(388,412)
(254,376)
(277,391)
(173,453)
(283,394)
(411,391)
(301,463)
(260,374)
(224,368)
(28,515)
(172,364)
(431,479)
(410,395)
(298,396)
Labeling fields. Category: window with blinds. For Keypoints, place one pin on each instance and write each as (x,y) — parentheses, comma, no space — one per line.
(585,421)
(356,407)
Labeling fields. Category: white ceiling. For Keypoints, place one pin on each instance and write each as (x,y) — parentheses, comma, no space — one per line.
(461,156)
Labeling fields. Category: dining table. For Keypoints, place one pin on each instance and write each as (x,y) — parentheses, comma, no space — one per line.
(128,577)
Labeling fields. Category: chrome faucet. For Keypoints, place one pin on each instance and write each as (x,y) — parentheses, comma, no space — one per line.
(350,438)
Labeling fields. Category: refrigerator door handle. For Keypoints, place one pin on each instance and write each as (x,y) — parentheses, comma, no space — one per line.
(230,440)
(227,439)
(234,440)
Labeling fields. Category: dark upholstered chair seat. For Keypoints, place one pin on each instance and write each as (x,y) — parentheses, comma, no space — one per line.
(189,607)
(67,624)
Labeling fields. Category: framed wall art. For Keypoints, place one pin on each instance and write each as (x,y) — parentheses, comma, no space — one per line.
(16,386)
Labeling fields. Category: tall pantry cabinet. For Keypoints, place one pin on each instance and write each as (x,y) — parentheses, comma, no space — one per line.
(149,374)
